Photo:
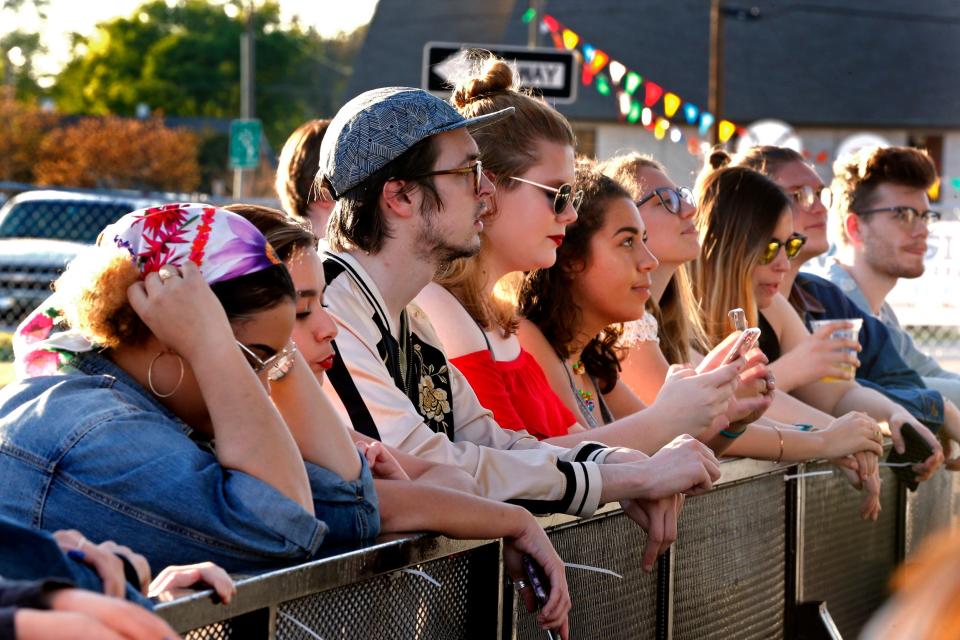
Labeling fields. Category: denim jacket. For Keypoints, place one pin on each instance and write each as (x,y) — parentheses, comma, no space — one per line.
(881,367)
(92,450)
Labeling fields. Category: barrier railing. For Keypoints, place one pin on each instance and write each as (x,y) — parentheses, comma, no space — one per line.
(747,554)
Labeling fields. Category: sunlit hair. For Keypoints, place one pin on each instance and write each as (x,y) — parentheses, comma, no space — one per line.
(508,147)
(92,292)
(738,210)
(297,168)
(285,234)
(767,159)
(857,176)
(678,313)
(546,296)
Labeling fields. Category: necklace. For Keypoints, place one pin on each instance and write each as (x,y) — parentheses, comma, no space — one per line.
(586,396)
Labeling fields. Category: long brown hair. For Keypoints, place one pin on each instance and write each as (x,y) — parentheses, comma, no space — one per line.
(738,210)
(678,313)
(546,296)
(507,148)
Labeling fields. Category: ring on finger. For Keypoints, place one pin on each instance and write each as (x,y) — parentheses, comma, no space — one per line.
(520,584)
(165,273)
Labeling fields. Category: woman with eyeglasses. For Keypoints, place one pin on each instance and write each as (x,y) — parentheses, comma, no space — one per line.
(472,302)
(673,327)
(748,240)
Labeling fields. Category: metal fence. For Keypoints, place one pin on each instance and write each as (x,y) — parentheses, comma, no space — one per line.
(748,554)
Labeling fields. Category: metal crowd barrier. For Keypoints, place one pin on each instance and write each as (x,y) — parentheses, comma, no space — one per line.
(748,554)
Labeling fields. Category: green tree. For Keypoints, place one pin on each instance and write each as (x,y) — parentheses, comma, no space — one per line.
(184,60)
(18,47)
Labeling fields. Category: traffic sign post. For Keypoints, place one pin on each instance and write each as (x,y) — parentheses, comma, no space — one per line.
(549,72)
(245,144)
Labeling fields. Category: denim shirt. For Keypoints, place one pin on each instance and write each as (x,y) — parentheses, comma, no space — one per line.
(881,367)
(92,450)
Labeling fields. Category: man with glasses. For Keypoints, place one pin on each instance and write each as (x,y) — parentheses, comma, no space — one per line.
(815,298)
(411,194)
(884,215)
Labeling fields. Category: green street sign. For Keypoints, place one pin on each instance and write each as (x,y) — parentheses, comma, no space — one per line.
(245,144)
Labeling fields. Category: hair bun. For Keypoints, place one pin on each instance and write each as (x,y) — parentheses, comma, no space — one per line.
(718,158)
(489,75)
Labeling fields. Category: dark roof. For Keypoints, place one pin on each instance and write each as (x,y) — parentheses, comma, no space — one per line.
(851,63)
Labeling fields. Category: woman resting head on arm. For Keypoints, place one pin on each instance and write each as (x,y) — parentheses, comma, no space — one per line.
(153,357)
(405,506)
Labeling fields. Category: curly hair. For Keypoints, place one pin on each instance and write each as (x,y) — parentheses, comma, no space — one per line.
(546,296)
(857,176)
(507,148)
(93,294)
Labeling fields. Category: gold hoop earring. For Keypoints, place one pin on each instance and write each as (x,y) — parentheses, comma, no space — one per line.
(176,387)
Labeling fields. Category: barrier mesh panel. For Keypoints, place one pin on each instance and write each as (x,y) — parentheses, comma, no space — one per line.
(217,631)
(929,509)
(603,606)
(846,561)
(729,563)
(404,606)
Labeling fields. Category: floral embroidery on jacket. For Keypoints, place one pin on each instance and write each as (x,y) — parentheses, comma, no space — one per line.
(434,400)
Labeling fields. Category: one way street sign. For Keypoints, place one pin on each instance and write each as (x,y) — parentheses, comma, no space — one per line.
(549,72)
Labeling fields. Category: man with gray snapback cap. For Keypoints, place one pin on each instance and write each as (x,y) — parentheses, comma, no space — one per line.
(411,194)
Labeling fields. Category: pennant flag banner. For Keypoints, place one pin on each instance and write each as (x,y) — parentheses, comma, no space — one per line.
(627,82)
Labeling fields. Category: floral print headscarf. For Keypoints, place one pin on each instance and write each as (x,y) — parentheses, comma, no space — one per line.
(223,244)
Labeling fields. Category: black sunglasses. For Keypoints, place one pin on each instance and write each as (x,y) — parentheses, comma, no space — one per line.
(791,245)
(562,195)
(671,199)
(476,169)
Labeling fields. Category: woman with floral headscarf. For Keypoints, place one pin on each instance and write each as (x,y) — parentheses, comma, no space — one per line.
(143,413)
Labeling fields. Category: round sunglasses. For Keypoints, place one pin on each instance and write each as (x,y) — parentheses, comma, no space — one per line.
(671,199)
(791,245)
(562,195)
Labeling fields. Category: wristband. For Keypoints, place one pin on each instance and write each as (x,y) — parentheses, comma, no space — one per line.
(803,426)
(733,435)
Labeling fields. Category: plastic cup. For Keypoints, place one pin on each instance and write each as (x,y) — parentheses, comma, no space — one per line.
(841,334)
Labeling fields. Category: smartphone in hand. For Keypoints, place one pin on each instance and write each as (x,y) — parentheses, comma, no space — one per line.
(538,582)
(916,449)
(744,343)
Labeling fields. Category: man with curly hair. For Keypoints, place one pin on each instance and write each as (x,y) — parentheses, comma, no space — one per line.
(881,202)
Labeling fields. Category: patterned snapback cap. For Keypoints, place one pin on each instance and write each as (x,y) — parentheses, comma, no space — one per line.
(378,126)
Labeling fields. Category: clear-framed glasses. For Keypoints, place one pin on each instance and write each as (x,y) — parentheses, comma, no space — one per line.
(562,195)
(806,196)
(259,365)
(791,245)
(907,216)
(671,199)
(476,169)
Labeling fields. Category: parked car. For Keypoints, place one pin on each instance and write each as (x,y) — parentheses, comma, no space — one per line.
(40,232)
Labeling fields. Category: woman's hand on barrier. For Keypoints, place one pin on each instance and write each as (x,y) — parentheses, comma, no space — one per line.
(196,576)
(851,433)
(182,311)
(382,463)
(684,465)
(532,540)
(659,519)
(696,404)
(899,417)
(819,356)
(862,471)
(85,614)
(105,559)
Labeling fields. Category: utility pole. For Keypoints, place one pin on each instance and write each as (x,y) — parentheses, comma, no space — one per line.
(715,87)
(537,7)
(247,65)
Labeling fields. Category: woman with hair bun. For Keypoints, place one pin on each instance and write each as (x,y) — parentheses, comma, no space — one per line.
(530,159)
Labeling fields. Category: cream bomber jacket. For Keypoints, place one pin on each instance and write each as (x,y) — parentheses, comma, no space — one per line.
(395,384)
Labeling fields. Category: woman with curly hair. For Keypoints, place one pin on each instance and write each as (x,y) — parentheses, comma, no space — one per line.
(530,159)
